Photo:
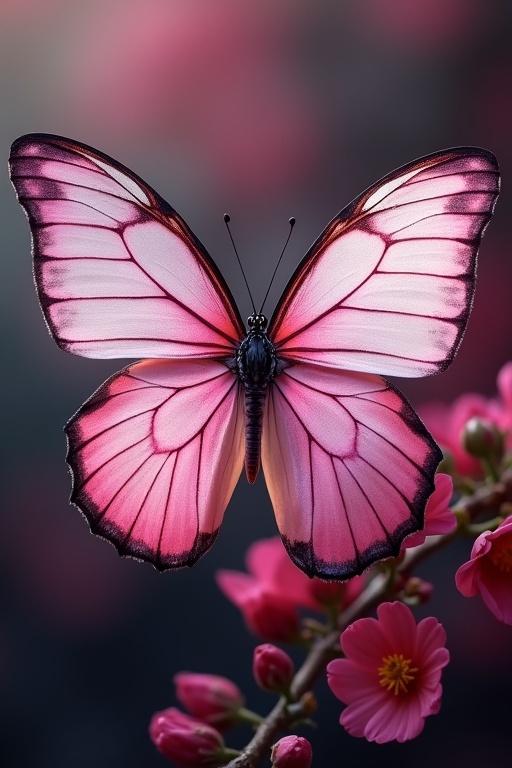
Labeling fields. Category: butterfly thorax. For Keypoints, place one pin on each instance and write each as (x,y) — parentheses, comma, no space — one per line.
(256,365)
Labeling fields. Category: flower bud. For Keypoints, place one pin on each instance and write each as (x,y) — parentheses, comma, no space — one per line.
(482,439)
(418,590)
(292,752)
(272,667)
(211,698)
(185,741)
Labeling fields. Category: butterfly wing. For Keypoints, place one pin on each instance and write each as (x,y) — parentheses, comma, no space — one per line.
(118,271)
(388,286)
(348,465)
(155,454)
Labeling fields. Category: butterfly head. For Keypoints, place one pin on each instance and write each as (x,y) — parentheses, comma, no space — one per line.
(257,322)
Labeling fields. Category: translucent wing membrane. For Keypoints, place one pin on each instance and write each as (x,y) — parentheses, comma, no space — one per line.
(388,286)
(155,455)
(348,466)
(119,273)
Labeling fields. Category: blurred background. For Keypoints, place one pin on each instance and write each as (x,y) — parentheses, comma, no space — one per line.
(265,109)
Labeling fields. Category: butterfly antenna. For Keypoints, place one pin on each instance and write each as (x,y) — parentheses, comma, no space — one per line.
(227,219)
(292,224)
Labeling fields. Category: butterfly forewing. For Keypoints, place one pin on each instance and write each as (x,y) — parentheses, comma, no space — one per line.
(388,286)
(119,273)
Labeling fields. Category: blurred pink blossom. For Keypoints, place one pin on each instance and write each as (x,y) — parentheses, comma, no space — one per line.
(208,81)
(390,677)
(270,594)
(488,572)
(439,519)
(423,25)
(266,613)
(447,421)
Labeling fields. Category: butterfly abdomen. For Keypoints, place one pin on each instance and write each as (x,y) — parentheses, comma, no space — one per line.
(256,366)
(254,405)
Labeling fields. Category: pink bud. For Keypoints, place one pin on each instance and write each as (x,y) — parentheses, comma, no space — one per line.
(273,669)
(482,439)
(211,698)
(185,741)
(271,616)
(292,752)
(419,589)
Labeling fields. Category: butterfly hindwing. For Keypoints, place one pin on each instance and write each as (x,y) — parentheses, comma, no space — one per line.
(118,271)
(388,286)
(349,467)
(155,455)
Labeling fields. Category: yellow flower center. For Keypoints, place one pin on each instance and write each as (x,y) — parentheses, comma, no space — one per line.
(501,553)
(396,673)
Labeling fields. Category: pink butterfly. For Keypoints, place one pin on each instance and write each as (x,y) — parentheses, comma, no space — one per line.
(157,450)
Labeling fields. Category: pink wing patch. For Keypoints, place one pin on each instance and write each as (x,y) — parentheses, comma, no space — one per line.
(349,467)
(155,455)
(388,286)
(119,273)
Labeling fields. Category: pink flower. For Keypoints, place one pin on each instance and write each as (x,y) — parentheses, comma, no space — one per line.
(505,390)
(488,572)
(292,752)
(272,668)
(270,594)
(266,613)
(210,698)
(447,422)
(185,741)
(439,518)
(391,676)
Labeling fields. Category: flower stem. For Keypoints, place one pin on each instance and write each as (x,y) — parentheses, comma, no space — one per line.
(475,529)
(244,715)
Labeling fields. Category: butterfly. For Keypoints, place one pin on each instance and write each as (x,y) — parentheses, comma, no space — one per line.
(156,452)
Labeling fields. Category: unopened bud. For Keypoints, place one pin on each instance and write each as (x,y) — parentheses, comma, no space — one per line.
(211,698)
(292,752)
(482,439)
(418,590)
(185,741)
(272,667)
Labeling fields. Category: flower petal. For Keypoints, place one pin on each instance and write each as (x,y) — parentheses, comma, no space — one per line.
(431,637)
(365,643)
(350,681)
(355,717)
(399,627)
(236,586)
